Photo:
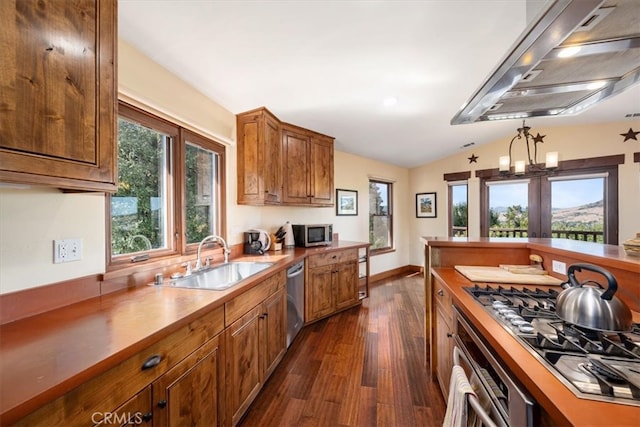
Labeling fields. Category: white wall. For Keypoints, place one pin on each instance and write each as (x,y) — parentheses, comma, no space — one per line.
(31,218)
(572,142)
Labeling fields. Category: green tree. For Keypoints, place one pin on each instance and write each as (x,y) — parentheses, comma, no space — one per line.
(460,214)
(516,217)
(140,166)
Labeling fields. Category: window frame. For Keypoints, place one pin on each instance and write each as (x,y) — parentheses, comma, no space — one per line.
(175,181)
(391,247)
(540,194)
(453,179)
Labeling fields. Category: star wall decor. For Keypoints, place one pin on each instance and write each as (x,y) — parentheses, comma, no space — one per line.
(538,138)
(473,159)
(630,135)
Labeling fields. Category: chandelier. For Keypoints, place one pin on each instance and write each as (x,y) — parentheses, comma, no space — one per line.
(520,167)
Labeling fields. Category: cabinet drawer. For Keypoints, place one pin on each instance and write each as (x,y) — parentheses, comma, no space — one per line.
(114,387)
(241,304)
(137,411)
(443,299)
(332,258)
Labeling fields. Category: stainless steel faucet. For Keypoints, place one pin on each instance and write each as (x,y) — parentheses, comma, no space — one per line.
(225,249)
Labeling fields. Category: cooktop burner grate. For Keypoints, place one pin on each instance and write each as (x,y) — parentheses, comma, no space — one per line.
(594,364)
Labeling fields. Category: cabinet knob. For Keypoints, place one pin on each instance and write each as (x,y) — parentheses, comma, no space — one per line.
(449,334)
(440,293)
(147,417)
(162,404)
(152,362)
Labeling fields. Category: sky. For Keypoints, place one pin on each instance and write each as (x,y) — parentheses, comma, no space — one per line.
(564,194)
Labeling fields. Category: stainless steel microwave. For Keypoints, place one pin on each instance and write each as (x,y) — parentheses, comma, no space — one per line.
(308,235)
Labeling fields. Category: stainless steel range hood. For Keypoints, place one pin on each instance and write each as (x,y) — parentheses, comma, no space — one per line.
(573,54)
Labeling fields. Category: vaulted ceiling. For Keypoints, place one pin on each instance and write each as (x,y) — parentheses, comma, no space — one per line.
(337,66)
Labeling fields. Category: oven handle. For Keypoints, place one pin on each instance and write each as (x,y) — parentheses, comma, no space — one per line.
(472,398)
(524,403)
(496,409)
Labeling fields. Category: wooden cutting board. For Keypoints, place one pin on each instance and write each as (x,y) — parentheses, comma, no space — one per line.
(500,275)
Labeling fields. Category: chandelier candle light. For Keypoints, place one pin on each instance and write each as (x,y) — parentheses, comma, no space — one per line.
(520,166)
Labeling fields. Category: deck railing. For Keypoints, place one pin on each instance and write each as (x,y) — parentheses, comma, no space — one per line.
(587,236)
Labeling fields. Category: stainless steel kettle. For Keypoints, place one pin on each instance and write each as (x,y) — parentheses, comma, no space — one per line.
(593,307)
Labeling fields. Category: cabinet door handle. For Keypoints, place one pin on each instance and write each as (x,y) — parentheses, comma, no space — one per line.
(440,293)
(147,417)
(152,362)
(162,404)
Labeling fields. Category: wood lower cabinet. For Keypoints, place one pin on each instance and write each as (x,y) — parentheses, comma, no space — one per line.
(255,344)
(188,394)
(444,336)
(259,158)
(175,363)
(136,411)
(331,284)
(308,167)
(58,93)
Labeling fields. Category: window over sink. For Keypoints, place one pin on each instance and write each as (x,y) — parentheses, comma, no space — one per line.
(170,189)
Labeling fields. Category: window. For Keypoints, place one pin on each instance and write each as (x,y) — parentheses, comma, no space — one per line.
(508,208)
(170,189)
(380,216)
(458,210)
(579,201)
(458,201)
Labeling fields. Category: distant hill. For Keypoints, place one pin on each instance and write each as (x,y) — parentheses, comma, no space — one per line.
(589,213)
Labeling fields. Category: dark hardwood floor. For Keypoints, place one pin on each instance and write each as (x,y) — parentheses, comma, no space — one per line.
(361,367)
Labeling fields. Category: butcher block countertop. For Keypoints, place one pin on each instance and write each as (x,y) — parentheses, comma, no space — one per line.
(44,356)
(556,399)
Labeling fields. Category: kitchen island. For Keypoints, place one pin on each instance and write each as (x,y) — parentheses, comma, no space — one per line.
(557,403)
(77,364)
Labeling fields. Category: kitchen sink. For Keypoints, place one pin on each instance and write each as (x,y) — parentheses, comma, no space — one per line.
(220,277)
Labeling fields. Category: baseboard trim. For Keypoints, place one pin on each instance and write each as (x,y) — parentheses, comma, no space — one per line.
(400,271)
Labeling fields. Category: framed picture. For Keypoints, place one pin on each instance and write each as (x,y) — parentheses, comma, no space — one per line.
(426,205)
(346,202)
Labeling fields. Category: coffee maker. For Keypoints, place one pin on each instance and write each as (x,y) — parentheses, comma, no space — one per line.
(252,243)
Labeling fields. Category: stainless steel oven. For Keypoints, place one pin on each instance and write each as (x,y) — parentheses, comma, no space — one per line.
(509,404)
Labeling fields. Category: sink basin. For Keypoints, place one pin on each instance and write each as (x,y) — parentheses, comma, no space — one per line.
(220,277)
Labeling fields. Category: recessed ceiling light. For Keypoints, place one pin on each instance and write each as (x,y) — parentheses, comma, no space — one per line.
(392,100)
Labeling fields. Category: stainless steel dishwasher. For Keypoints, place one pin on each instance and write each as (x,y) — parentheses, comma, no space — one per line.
(295,300)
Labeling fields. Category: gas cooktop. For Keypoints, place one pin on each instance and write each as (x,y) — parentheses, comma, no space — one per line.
(597,365)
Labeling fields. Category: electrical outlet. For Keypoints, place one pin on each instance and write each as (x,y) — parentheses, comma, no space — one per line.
(559,267)
(66,250)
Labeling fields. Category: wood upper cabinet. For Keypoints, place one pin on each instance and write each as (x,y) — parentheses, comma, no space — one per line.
(332,283)
(255,344)
(259,158)
(58,93)
(187,395)
(308,167)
